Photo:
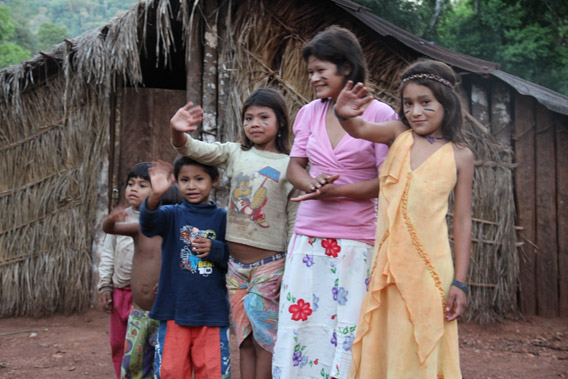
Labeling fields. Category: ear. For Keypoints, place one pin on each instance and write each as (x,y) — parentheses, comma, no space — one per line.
(346,69)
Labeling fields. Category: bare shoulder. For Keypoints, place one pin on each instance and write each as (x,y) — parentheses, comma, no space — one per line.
(397,127)
(463,156)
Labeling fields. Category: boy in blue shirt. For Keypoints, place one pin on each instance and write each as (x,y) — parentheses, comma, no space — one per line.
(191,304)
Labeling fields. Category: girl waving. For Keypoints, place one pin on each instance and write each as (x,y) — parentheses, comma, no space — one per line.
(407,326)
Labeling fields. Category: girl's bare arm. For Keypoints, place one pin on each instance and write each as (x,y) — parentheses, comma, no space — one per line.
(351,103)
(300,178)
(457,299)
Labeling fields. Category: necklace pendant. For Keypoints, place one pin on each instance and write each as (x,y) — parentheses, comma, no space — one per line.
(431,139)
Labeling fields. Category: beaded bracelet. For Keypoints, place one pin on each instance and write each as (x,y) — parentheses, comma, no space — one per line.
(338,116)
(461,286)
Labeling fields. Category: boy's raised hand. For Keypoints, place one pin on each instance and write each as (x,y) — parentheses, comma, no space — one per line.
(186,118)
(352,100)
(161,177)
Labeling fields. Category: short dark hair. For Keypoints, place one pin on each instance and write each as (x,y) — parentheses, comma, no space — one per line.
(339,46)
(181,161)
(172,196)
(140,170)
(452,123)
(268,97)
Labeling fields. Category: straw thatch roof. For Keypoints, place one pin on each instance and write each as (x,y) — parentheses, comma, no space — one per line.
(55,112)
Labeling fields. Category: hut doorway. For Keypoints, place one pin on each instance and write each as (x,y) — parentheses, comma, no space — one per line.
(140,132)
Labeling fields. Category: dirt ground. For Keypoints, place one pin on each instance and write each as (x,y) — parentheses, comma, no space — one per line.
(77,347)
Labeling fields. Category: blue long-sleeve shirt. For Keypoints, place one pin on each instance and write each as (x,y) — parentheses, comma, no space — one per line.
(191,290)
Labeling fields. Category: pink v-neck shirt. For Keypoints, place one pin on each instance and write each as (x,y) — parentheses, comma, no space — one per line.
(355,160)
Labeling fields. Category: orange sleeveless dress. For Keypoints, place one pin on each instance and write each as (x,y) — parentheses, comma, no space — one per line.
(402,332)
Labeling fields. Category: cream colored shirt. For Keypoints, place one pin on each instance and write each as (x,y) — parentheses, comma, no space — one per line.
(116,258)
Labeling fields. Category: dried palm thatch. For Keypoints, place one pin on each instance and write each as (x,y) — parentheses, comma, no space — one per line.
(53,140)
(55,112)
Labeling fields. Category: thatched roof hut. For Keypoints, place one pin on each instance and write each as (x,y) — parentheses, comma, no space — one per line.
(73,119)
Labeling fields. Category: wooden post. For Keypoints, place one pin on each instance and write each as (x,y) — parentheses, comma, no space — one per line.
(194,60)
(480,104)
(223,71)
(501,125)
(525,196)
(547,257)
(562,205)
(209,103)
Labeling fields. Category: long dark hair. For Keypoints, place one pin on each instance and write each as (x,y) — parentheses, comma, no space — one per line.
(339,46)
(444,91)
(268,97)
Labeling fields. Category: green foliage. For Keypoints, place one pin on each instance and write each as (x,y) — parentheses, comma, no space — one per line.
(11,54)
(412,16)
(524,42)
(528,38)
(28,26)
(6,24)
(50,34)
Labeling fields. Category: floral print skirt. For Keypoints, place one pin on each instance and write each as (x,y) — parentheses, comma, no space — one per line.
(325,280)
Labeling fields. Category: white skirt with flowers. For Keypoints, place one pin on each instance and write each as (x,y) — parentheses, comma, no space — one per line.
(325,280)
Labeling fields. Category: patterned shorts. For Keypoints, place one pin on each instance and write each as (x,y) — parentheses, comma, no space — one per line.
(253,293)
(139,344)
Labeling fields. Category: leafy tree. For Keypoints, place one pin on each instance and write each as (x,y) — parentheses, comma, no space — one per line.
(505,32)
(6,23)
(412,16)
(10,53)
(50,35)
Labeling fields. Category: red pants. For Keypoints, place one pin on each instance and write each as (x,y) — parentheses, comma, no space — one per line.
(183,350)
(121,305)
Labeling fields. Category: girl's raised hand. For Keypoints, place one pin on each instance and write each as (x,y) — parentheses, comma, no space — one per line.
(187,118)
(352,100)
(456,303)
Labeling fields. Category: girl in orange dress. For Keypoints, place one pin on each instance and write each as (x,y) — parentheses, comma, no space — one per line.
(408,321)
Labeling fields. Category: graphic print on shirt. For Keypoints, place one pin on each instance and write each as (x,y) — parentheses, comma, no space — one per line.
(243,201)
(189,261)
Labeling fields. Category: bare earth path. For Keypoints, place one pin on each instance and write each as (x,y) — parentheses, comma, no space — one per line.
(77,347)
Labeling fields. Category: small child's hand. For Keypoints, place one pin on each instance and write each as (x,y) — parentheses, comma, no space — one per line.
(201,246)
(107,300)
(455,304)
(187,118)
(161,176)
(352,100)
(118,214)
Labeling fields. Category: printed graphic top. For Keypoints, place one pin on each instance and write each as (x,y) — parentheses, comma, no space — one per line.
(191,290)
(260,211)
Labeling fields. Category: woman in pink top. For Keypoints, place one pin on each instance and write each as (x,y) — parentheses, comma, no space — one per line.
(330,254)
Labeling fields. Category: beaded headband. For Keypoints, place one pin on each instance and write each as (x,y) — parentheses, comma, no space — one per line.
(428,76)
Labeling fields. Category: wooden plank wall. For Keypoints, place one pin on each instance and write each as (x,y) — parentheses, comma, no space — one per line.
(562,216)
(525,178)
(541,189)
(144,129)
